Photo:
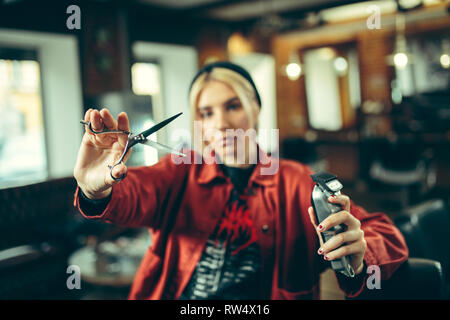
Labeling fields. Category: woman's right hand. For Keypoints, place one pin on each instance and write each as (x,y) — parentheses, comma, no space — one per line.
(98,151)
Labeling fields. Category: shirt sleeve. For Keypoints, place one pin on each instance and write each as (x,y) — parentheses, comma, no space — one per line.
(386,249)
(139,199)
(92,207)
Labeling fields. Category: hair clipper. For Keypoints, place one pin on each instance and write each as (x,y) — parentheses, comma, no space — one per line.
(328,185)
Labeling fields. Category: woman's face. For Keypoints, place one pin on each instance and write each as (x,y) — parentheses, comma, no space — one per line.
(219,109)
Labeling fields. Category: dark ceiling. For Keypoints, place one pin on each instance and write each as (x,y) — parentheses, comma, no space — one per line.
(243,10)
(231,11)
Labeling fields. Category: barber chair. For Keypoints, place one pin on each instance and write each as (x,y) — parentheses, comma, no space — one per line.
(401,171)
(33,261)
(41,234)
(426,228)
(416,279)
(425,275)
(426,112)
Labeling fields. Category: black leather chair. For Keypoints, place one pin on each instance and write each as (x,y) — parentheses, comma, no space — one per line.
(416,279)
(425,275)
(39,230)
(425,228)
(401,170)
(33,261)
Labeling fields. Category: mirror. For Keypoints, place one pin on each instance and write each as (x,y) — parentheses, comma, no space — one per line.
(332,86)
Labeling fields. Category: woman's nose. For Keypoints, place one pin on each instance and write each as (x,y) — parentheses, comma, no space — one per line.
(222,121)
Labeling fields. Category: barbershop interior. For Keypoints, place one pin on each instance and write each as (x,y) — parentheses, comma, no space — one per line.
(358,89)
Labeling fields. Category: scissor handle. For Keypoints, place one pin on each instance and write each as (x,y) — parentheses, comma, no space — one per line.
(125,151)
(105,129)
(111,170)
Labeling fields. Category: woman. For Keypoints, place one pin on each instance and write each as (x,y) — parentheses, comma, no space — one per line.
(223,229)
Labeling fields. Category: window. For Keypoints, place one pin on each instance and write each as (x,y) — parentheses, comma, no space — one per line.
(22,140)
(424,72)
(145,80)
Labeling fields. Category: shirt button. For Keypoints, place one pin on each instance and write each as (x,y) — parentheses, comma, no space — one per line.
(265,228)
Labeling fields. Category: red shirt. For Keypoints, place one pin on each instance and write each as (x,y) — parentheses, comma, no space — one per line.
(181,204)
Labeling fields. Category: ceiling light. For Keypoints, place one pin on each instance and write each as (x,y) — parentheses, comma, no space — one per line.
(340,65)
(445,58)
(293,71)
(400,60)
(445,61)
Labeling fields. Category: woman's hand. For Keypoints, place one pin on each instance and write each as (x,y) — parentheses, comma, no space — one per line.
(352,240)
(98,151)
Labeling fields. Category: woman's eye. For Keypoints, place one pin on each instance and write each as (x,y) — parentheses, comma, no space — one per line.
(205,114)
(234,106)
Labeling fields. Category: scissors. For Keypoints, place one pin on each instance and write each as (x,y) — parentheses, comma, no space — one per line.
(135,139)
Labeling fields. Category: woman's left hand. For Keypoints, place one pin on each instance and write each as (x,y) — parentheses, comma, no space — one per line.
(348,243)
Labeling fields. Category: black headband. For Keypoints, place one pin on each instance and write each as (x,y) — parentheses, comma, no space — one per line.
(231,66)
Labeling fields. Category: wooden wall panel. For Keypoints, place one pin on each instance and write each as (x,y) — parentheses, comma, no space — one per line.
(103,49)
(375,73)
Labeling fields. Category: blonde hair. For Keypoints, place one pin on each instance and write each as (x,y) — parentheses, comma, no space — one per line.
(238,83)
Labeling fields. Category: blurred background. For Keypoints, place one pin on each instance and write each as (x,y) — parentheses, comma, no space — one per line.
(356,88)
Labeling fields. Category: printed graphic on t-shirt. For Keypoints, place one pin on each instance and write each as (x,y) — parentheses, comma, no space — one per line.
(236,225)
(229,266)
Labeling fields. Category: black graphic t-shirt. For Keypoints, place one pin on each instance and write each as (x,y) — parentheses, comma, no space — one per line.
(230,264)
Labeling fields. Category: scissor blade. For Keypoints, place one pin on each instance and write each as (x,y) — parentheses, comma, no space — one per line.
(158,126)
(162,147)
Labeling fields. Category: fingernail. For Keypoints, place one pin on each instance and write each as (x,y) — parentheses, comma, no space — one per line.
(326,257)
(320,251)
(320,227)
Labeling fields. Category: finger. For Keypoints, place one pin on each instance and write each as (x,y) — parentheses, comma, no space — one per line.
(312,217)
(357,247)
(108,119)
(96,120)
(123,124)
(342,200)
(86,115)
(118,171)
(340,239)
(87,118)
(337,218)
